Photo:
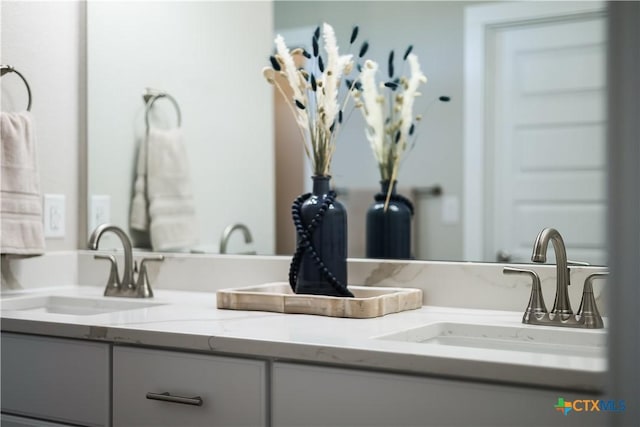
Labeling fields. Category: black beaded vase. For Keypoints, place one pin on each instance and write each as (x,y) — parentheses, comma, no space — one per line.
(388,232)
(319,266)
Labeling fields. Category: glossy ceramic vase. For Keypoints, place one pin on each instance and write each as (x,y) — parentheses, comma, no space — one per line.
(389,231)
(328,240)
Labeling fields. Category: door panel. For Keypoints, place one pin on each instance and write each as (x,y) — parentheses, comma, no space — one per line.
(548,161)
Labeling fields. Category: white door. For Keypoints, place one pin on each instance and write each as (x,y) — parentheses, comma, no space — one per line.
(547,160)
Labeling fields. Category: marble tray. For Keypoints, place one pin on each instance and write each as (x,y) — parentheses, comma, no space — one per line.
(367,302)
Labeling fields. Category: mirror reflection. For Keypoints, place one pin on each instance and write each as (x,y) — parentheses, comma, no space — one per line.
(530,156)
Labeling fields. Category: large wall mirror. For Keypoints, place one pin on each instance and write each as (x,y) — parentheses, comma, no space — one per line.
(520,146)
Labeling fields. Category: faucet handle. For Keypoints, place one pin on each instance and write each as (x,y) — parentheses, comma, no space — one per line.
(588,308)
(577,263)
(157,258)
(143,287)
(113,283)
(536,306)
(570,264)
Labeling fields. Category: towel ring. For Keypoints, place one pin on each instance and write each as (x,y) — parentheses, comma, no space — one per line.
(150,98)
(4,69)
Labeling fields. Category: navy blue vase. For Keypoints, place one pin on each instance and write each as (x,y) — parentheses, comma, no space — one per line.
(329,241)
(389,232)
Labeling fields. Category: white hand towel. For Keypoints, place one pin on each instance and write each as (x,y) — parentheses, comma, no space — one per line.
(139,218)
(20,197)
(167,211)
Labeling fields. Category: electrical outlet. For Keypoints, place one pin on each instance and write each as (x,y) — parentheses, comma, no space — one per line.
(100,211)
(54,215)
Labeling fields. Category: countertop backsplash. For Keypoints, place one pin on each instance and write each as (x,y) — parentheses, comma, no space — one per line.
(53,269)
(448,284)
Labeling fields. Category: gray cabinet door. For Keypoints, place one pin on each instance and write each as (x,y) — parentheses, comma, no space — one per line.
(56,379)
(305,396)
(18,421)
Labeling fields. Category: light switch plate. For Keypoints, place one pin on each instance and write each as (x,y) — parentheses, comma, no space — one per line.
(54,215)
(450,209)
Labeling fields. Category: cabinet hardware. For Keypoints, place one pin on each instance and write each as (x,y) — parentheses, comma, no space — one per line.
(166,397)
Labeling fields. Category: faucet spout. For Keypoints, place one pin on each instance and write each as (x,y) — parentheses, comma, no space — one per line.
(127,276)
(226,234)
(561,305)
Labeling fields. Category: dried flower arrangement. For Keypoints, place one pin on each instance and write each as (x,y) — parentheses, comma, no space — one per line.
(317,103)
(390,121)
(387,108)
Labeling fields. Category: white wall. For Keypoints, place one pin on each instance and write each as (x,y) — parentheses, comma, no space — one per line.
(209,57)
(436,30)
(45,42)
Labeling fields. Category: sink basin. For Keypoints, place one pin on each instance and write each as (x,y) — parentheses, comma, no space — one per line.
(76,306)
(556,341)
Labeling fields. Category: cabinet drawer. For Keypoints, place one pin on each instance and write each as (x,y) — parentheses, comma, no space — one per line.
(305,396)
(55,379)
(232,391)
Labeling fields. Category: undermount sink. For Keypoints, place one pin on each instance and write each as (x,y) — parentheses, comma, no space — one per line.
(547,340)
(76,306)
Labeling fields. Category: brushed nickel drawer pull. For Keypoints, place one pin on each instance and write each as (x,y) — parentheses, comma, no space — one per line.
(166,397)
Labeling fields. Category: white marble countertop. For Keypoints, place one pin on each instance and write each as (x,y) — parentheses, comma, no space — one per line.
(190,321)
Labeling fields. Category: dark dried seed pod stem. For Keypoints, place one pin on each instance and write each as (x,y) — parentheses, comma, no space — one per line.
(407,52)
(274,63)
(351,84)
(363,49)
(391,64)
(314,43)
(320,64)
(300,105)
(354,34)
(314,85)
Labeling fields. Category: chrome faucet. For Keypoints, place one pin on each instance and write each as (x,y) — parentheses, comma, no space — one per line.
(561,305)
(561,315)
(115,284)
(127,285)
(226,234)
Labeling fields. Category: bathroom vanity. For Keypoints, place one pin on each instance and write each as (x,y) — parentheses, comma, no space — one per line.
(72,356)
